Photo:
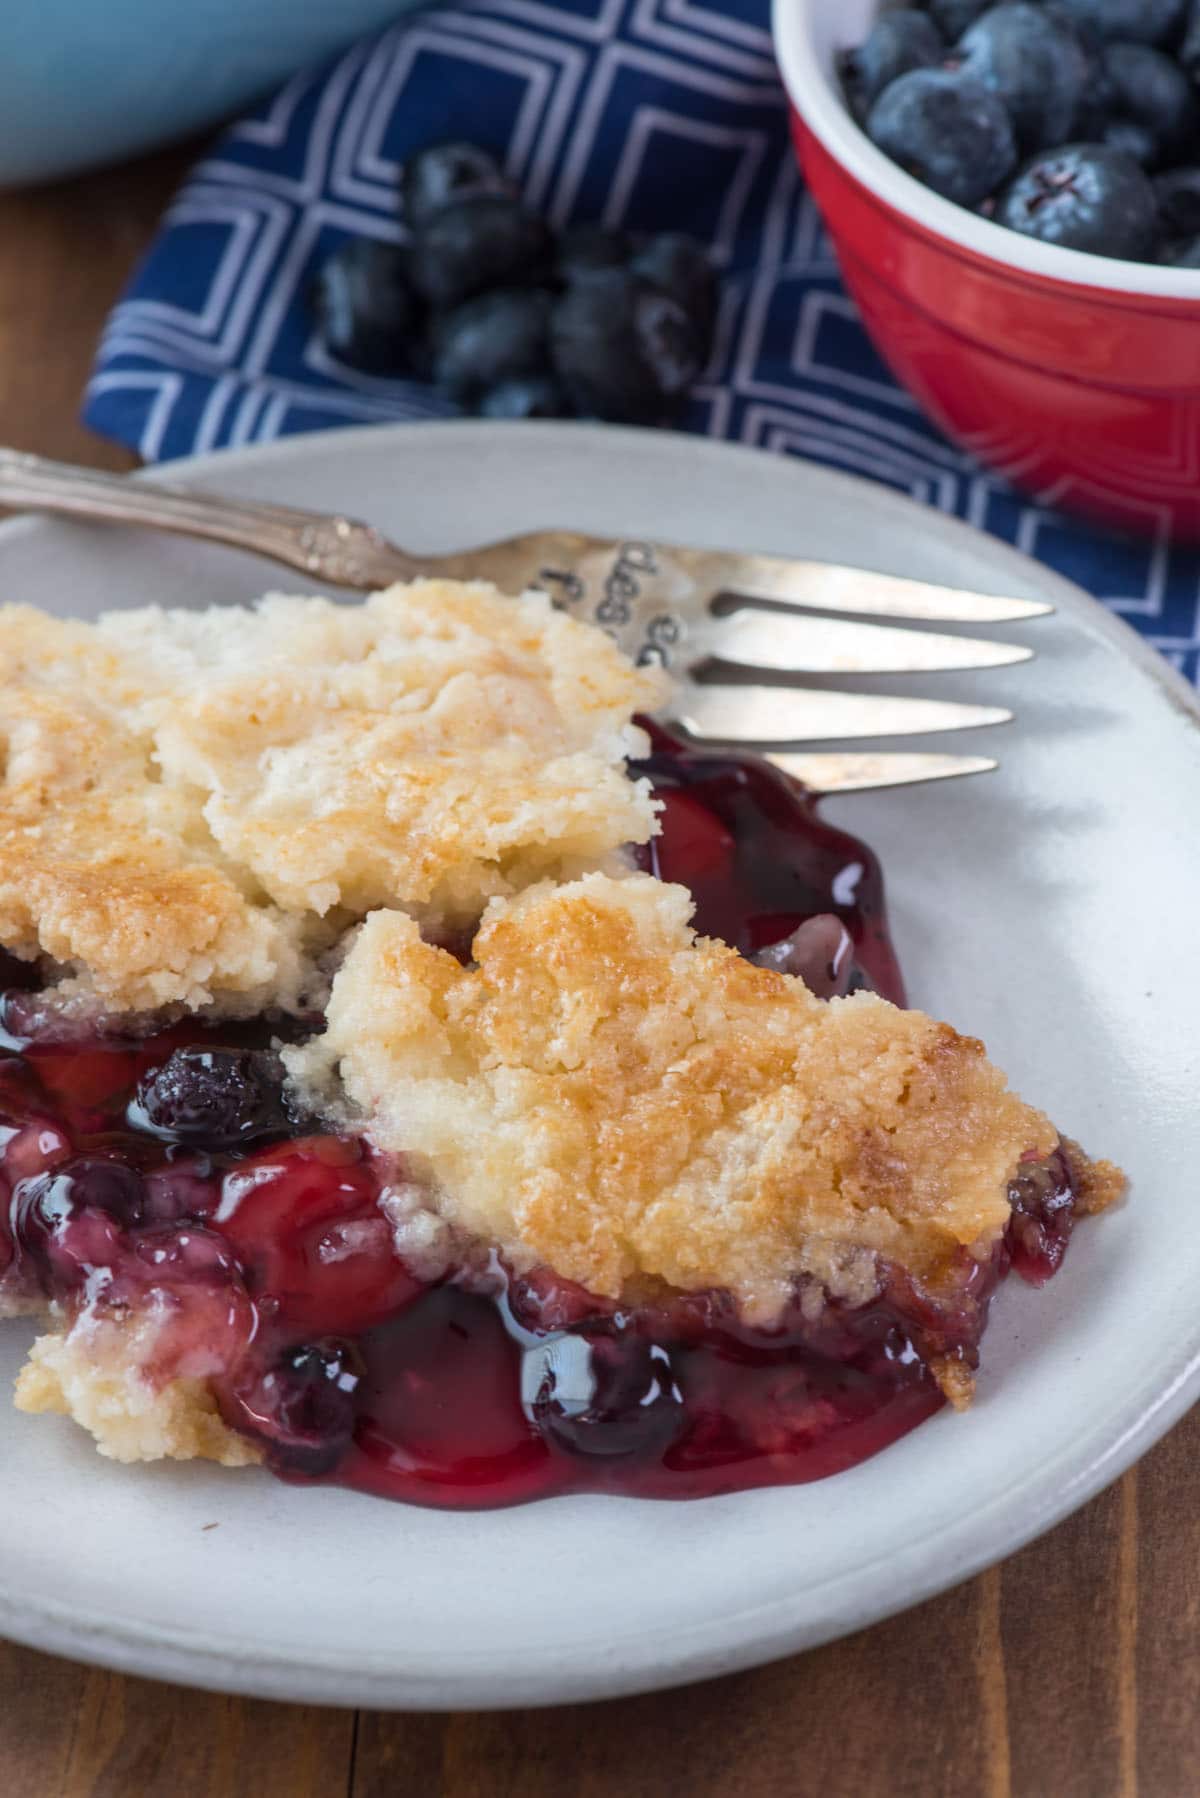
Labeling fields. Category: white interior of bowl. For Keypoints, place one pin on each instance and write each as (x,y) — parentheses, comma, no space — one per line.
(808,35)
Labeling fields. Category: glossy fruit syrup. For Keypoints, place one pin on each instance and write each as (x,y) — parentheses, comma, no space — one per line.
(168,1170)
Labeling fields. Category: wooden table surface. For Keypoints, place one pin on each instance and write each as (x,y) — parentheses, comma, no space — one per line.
(1073,1671)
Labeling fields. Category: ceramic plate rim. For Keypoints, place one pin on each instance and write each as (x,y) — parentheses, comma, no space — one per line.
(763,1631)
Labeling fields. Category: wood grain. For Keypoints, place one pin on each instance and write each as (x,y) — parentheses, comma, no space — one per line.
(65,253)
(1071,1672)
(83,1733)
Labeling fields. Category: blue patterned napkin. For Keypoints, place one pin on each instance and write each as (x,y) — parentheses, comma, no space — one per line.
(658,114)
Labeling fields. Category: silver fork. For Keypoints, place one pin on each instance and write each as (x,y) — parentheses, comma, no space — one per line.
(712,617)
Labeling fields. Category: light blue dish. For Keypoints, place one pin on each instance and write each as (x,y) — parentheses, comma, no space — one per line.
(90,81)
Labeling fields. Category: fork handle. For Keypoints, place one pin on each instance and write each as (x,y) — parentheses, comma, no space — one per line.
(327,546)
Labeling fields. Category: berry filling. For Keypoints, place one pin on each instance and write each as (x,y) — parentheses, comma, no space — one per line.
(352,1338)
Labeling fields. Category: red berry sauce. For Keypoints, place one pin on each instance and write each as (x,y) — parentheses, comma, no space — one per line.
(170,1165)
(759,859)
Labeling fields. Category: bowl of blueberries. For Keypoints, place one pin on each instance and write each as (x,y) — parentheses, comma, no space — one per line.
(1013,191)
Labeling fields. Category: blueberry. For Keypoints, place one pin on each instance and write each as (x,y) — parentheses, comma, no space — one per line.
(444,173)
(623,350)
(1178,194)
(1131,139)
(213,1098)
(607,1396)
(107,1186)
(952,133)
(366,311)
(897,42)
(1189,50)
(1183,252)
(528,396)
(65,1223)
(679,266)
(40,1207)
(1091,114)
(1084,197)
(953,16)
(582,249)
(303,1406)
(1150,104)
(492,338)
(488,240)
(1138,21)
(1034,64)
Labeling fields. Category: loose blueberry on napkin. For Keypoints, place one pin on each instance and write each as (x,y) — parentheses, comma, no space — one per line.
(509,319)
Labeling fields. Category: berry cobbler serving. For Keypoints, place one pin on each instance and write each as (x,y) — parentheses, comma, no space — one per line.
(419,1072)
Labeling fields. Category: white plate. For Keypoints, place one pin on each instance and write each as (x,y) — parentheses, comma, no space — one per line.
(1050,907)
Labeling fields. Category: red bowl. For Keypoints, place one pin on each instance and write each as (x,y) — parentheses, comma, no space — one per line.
(1076,376)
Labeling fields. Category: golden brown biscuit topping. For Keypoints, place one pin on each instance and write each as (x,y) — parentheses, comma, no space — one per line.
(608,1094)
(196,803)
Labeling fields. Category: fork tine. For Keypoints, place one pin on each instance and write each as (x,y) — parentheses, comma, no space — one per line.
(836,772)
(781,715)
(827,587)
(796,644)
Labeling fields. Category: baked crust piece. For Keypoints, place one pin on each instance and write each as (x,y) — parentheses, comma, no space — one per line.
(1096,1184)
(606,1093)
(95,1372)
(195,804)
